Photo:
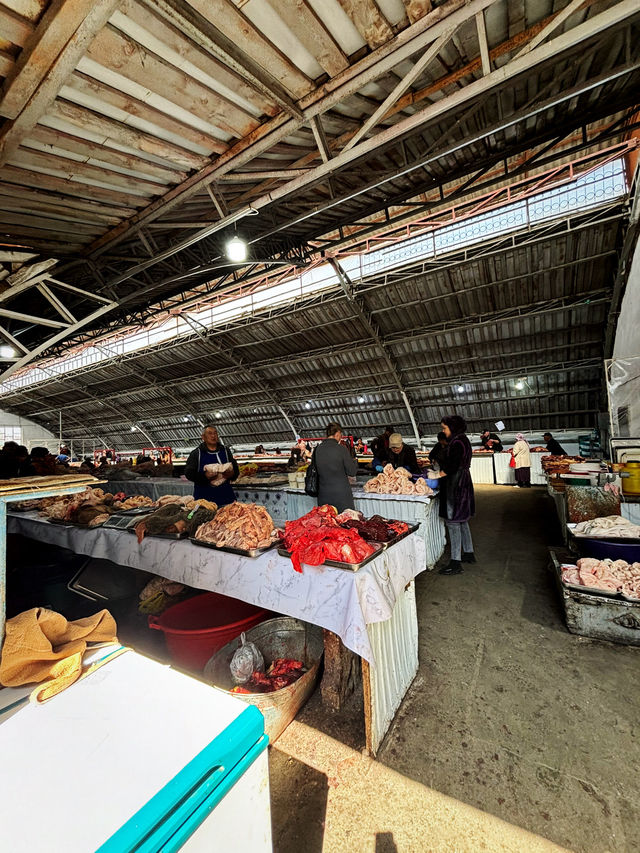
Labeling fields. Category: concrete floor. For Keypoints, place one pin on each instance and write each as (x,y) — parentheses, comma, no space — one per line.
(515,735)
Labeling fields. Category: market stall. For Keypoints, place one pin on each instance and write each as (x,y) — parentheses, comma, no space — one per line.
(504,474)
(372,610)
(482,467)
(274,498)
(422,509)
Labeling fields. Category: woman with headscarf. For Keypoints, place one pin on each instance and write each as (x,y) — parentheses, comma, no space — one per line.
(520,452)
(457,501)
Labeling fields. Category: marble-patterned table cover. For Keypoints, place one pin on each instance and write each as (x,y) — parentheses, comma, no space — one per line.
(341,601)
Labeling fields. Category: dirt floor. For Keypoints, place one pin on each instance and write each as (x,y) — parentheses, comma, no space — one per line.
(514,736)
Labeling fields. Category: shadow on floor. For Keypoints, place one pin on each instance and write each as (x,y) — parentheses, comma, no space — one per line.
(509,712)
(299,796)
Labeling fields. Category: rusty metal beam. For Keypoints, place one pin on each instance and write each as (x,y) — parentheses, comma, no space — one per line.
(364,315)
(613,16)
(350,81)
(422,63)
(60,41)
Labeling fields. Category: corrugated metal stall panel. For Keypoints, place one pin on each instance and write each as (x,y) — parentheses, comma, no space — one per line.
(395,648)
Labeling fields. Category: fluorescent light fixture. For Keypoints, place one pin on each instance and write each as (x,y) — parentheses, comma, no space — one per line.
(460,388)
(236,249)
(7,351)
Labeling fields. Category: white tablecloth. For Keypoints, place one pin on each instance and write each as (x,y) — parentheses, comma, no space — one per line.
(409,508)
(341,601)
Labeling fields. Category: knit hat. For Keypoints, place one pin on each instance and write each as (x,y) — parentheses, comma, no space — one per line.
(395,440)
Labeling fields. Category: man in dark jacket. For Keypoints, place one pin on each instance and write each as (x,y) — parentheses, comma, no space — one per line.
(438,452)
(554,447)
(490,441)
(380,445)
(399,455)
(211,452)
(335,465)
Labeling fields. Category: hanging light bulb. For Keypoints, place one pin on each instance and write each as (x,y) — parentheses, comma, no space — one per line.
(7,352)
(460,389)
(133,429)
(218,414)
(307,405)
(236,249)
(519,385)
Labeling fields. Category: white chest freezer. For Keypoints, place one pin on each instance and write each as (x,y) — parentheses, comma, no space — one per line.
(135,757)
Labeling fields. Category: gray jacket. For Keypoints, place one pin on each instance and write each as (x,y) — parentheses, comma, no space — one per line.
(335,464)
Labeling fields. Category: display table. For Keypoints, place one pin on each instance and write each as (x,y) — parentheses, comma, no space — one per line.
(630,508)
(373,611)
(482,468)
(409,508)
(150,487)
(505,476)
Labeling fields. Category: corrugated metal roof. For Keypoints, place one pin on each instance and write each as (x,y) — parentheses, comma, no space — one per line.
(131,124)
(490,326)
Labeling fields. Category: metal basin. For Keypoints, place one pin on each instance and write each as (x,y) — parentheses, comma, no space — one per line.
(283,637)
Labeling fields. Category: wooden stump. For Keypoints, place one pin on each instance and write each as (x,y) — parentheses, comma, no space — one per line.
(341,668)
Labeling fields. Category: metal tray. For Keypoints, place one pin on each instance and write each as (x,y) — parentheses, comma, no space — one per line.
(252,552)
(630,598)
(385,545)
(75,524)
(157,535)
(348,567)
(615,540)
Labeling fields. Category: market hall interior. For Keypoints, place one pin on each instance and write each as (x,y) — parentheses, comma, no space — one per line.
(512,728)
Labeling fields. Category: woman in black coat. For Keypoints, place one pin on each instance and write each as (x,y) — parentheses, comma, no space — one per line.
(457,500)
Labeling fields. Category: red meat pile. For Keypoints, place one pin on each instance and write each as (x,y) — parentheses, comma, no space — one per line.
(376,528)
(281,673)
(317,537)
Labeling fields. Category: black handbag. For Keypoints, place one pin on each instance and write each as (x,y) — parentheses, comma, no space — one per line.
(311,479)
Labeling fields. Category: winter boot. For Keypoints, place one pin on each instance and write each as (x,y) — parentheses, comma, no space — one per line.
(454,568)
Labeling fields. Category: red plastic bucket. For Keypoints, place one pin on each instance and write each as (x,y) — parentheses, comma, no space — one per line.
(196,628)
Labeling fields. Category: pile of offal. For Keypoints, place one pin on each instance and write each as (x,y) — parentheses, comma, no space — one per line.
(173,519)
(248,672)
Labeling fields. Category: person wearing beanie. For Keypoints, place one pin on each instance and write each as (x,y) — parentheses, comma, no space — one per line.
(399,455)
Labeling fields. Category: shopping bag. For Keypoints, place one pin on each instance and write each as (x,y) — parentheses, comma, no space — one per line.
(311,484)
(512,462)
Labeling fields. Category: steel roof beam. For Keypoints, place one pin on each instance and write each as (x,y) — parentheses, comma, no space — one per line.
(365,317)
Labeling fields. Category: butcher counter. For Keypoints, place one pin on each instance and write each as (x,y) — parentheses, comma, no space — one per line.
(373,610)
(271,497)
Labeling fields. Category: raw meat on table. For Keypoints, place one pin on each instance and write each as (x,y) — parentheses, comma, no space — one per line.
(317,537)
